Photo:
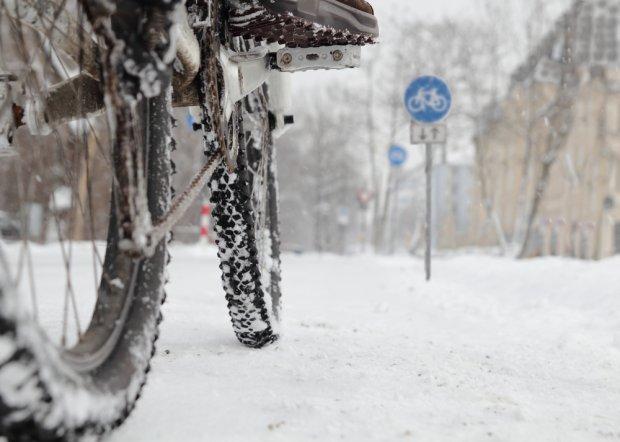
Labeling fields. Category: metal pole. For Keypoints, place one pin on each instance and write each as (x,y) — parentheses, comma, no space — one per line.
(395,208)
(429,175)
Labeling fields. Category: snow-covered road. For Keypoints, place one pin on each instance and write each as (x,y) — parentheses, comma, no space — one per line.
(492,349)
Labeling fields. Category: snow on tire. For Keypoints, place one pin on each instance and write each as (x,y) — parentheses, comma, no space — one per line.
(235,238)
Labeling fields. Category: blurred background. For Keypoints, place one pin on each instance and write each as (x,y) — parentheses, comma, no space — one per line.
(531,167)
(521,173)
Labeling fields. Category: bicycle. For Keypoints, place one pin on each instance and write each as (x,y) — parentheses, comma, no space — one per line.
(428,99)
(104,185)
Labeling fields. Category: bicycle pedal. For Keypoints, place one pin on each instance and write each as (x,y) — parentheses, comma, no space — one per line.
(322,57)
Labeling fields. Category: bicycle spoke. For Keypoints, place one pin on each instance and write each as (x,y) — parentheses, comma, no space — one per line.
(67,182)
(66,256)
(25,253)
(64,71)
(30,48)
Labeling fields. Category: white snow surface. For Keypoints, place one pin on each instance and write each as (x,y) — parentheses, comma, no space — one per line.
(492,349)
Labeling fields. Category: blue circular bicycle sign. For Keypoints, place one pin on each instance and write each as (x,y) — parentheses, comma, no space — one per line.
(397,156)
(428,99)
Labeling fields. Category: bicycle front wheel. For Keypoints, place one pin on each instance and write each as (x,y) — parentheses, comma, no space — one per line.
(246,225)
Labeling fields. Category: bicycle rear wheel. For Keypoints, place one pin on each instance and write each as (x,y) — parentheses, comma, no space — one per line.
(59,380)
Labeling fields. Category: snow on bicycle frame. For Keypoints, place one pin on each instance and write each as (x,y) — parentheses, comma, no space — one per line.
(79,96)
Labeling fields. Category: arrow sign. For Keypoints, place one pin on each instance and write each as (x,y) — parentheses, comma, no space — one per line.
(434,134)
(422,134)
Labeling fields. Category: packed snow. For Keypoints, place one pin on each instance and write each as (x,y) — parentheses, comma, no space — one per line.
(491,349)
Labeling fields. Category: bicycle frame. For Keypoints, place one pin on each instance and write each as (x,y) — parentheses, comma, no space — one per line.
(82,95)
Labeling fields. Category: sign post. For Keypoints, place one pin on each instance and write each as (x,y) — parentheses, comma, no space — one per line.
(363,198)
(429,210)
(398,157)
(428,101)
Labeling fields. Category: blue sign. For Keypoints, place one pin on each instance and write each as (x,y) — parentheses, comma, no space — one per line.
(397,156)
(428,99)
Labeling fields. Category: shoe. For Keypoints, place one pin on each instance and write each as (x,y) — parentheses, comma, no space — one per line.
(304,23)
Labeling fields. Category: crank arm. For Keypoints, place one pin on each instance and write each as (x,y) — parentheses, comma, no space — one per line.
(244,73)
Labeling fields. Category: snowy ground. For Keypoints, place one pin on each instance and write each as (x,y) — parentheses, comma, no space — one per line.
(492,349)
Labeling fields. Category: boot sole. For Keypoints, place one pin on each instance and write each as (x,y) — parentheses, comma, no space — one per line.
(294,23)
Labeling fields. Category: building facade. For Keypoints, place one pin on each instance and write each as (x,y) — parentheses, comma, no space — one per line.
(558,143)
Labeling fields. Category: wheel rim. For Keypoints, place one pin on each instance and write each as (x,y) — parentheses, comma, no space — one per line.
(68,163)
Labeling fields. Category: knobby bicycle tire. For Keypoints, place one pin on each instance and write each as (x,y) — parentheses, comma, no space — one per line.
(250,268)
(49,393)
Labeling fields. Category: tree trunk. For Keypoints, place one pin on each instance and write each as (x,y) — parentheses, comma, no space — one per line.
(561,117)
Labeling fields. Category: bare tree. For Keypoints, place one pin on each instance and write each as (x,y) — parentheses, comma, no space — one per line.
(534,31)
(320,172)
(560,117)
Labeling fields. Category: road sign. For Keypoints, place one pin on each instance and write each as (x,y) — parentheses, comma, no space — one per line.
(397,156)
(428,99)
(428,133)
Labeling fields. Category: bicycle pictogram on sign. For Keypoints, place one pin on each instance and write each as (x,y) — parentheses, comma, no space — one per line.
(428,99)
